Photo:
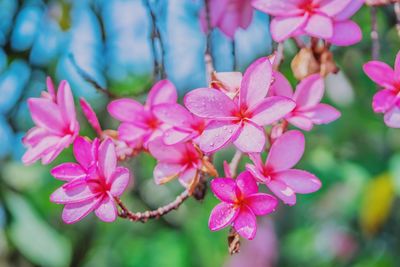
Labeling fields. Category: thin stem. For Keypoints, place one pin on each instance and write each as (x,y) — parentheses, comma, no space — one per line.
(151,214)
(235,162)
(278,56)
(208,59)
(374,34)
(397,12)
(86,76)
(234,54)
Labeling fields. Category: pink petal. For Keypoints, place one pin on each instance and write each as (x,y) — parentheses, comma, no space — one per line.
(76,211)
(276,8)
(281,86)
(46,114)
(162,92)
(272,109)
(221,216)
(83,152)
(256,173)
(173,114)
(245,223)
(286,151)
(251,138)
(65,101)
(40,150)
(90,115)
(106,211)
(126,109)
(107,158)
(392,117)
(319,26)
(350,10)
(397,67)
(68,171)
(227,81)
(119,181)
(322,114)
(217,135)
(299,181)
(380,73)
(256,82)
(51,154)
(209,103)
(163,172)
(174,136)
(345,33)
(334,7)
(35,135)
(309,92)
(50,88)
(224,189)
(283,192)
(301,121)
(186,177)
(227,169)
(74,192)
(165,153)
(130,132)
(247,184)
(238,14)
(284,27)
(261,204)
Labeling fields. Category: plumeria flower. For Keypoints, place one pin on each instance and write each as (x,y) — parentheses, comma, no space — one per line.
(182,161)
(239,120)
(277,173)
(92,183)
(308,95)
(139,123)
(241,203)
(387,100)
(184,125)
(328,19)
(228,16)
(55,121)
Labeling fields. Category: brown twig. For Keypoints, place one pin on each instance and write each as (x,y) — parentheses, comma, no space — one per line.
(374,34)
(151,214)
(208,59)
(233,242)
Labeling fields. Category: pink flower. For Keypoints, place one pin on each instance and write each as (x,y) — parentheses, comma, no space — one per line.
(139,123)
(386,100)
(56,125)
(92,183)
(180,161)
(227,82)
(241,202)
(328,19)
(308,95)
(277,173)
(239,120)
(228,16)
(91,116)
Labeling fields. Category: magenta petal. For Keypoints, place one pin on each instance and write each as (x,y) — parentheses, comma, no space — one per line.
(284,27)
(174,136)
(186,177)
(281,86)
(107,158)
(322,114)
(350,10)
(76,211)
(83,152)
(319,26)
(299,181)
(392,117)
(90,116)
(283,192)
(276,8)
(50,88)
(126,109)
(301,121)
(209,103)
(39,150)
(162,92)
(164,171)
(65,100)
(397,67)
(217,135)
(247,184)
(261,204)
(256,173)
(251,138)
(106,211)
(74,192)
(68,171)
(245,223)
(130,132)
(345,33)
(173,114)
(46,114)
(272,109)
(256,82)
(309,92)
(50,155)
(380,73)
(165,153)
(286,151)
(221,216)
(224,189)
(334,7)
(35,135)
(119,181)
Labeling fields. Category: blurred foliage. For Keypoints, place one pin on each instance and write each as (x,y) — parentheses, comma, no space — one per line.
(351,221)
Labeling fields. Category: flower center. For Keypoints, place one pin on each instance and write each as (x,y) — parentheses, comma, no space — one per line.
(242,114)
(153,123)
(308,6)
